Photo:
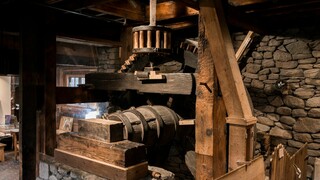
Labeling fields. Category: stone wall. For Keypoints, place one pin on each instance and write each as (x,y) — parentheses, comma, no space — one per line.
(282,75)
(109,60)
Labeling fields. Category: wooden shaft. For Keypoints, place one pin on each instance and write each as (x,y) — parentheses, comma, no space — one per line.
(165,39)
(136,40)
(141,39)
(153,11)
(169,40)
(158,39)
(149,39)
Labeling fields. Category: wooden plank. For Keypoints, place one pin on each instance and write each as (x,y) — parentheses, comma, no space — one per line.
(122,153)
(244,45)
(171,9)
(100,168)
(210,116)
(252,171)
(240,113)
(66,95)
(175,83)
(101,129)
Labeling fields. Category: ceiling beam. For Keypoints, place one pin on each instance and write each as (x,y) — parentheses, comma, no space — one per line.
(246,2)
(171,10)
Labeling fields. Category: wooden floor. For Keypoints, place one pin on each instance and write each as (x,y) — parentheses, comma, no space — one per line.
(9,169)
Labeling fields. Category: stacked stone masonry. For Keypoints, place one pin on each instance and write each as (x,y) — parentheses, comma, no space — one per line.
(109,60)
(282,75)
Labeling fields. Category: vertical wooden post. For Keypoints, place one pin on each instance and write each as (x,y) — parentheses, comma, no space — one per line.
(211,156)
(141,39)
(158,39)
(30,70)
(49,108)
(238,105)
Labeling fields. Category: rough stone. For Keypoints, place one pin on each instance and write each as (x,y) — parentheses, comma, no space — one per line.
(314,153)
(282,56)
(283,111)
(273,117)
(283,126)
(287,64)
(301,56)
(282,48)
(302,137)
(291,150)
(298,47)
(293,102)
(315,82)
(266,108)
(314,146)
(299,113)
(264,72)
(274,42)
(268,88)
(52,177)
(270,81)
(305,66)
(288,41)
(253,68)
(287,120)
(265,121)
(257,55)
(307,61)
(295,144)
(278,132)
(267,55)
(273,76)
(314,112)
(317,135)
(258,61)
(247,80)
(275,101)
(313,102)
(250,75)
(311,160)
(266,48)
(262,127)
(257,84)
(291,72)
(240,37)
(43,170)
(53,169)
(304,93)
(316,66)
(263,77)
(307,125)
(274,70)
(316,54)
(312,73)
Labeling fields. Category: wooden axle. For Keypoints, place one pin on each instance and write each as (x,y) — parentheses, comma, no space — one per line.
(151,39)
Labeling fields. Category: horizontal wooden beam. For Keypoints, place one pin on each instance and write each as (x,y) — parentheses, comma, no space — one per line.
(122,153)
(172,9)
(174,83)
(246,2)
(87,41)
(65,95)
(100,168)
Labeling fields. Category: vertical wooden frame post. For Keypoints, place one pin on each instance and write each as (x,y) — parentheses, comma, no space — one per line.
(240,114)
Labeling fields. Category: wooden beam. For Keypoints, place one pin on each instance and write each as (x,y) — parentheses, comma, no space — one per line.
(100,168)
(65,95)
(172,9)
(238,105)
(31,63)
(244,45)
(87,41)
(122,153)
(246,2)
(174,83)
(211,155)
(132,10)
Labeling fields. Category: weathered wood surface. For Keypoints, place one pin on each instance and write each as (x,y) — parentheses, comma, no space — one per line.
(122,153)
(101,129)
(175,83)
(236,100)
(210,121)
(245,43)
(252,171)
(284,167)
(66,95)
(100,168)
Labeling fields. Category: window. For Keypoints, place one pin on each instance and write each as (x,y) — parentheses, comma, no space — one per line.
(75,81)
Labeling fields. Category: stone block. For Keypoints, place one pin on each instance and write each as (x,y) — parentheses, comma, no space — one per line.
(301,56)
(307,61)
(307,125)
(304,93)
(287,64)
(293,102)
(284,111)
(313,102)
(43,170)
(288,120)
(268,63)
(278,132)
(298,47)
(282,56)
(253,68)
(302,137)
(291,73)
(316,54)
(274,42)
(314,112)
(299,113)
